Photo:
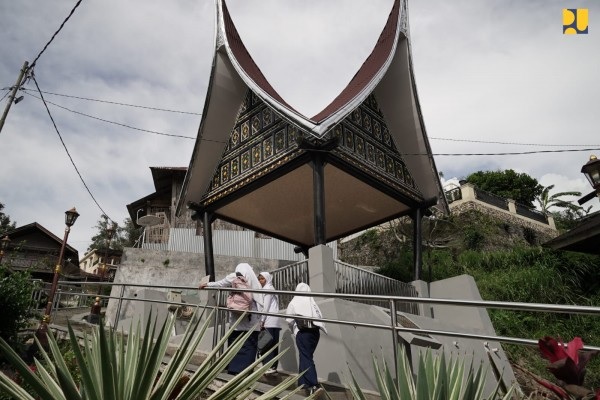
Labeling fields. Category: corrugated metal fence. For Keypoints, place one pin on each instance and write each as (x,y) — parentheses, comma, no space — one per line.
(231,243)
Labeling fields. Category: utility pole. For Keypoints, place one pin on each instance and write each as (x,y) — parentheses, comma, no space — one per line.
(11,97)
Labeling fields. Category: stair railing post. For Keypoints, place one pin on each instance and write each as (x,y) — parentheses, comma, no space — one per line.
(394,322)
(119,306)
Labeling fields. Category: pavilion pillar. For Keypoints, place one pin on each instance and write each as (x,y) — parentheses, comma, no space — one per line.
(318,165)
(321,269)
(209,259)
(417,243)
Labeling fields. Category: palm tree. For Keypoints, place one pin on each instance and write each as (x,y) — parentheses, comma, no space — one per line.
(547,201)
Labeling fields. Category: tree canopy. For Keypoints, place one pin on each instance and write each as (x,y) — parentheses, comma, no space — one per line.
(5,223)
(124,236)
(509,184)
(547,201)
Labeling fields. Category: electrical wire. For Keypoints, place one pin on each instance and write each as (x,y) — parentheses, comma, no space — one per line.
(119,104)
(199,114)
(66,149)
(5,94)
(118,123)
(512,143)
(516,153)
(596,148)
(32,66)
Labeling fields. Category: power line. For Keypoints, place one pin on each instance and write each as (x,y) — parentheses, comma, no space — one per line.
(120,104)
(516,153)
(66,149)
(512,143)
(199,114)
(404,154)
(116,123)
(32,66)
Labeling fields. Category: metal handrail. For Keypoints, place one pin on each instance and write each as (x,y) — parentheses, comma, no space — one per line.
(516,306)
(506,305)
(288,277)
(220,311)
(354,280)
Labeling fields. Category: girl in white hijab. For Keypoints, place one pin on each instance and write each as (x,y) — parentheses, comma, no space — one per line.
(269,322)
(247,354)
(307,335)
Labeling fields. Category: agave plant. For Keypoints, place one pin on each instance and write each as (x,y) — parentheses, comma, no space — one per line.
(436,380)
(115,366)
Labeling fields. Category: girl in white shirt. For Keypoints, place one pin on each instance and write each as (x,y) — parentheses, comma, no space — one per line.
(307,335)
(269,322)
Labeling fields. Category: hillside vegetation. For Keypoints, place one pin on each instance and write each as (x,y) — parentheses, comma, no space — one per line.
(508,265)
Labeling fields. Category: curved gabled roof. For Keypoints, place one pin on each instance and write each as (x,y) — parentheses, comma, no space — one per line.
(357,90)
(387,73)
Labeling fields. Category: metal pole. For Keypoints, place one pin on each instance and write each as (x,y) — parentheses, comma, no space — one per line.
(394,323)
(11,97)
(417,241)
(109,234)
(57,300)
(42,331)
(216,319)
(119,306)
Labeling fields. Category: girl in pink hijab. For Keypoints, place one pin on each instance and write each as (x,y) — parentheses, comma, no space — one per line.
(247,354)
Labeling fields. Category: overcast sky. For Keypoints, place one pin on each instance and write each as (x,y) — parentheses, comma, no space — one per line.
(493,70)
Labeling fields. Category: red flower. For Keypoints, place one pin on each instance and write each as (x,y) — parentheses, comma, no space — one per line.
(566,364)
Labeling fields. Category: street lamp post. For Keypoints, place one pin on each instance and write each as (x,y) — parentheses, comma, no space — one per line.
(42,331)
(591,170)
(109,234)
(94,317)
(3,246)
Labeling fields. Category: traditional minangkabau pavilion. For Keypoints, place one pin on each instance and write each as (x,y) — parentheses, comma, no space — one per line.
(363,160)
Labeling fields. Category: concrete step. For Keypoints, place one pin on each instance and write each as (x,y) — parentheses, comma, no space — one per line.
(262,387)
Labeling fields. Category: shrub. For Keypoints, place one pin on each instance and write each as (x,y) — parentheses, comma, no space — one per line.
(15,302)
(472,238)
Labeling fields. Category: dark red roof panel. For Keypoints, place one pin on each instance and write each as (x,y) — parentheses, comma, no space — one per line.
(369,68)
(245,60)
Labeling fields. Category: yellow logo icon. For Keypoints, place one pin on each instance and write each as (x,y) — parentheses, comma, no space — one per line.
(575,21)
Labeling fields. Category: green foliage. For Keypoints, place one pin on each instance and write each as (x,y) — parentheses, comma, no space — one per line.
(547,201)
(129,233)
(5,223)
(15,299)
(113,366)
(568,218)
(473,238)
(124,236)
(523,274)
(508,184)
(436,379)
(529,235)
